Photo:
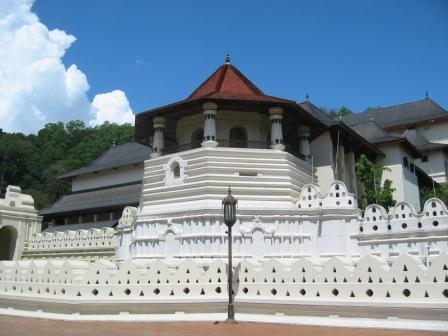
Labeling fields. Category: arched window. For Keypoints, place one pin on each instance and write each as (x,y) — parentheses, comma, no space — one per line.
(238,137)
(197,137)
(175,169)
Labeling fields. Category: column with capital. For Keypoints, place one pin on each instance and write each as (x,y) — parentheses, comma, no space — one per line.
(304,141)
(209,139)
(276,115)
(158,140)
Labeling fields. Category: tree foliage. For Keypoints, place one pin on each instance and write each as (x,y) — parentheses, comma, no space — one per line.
(369,177)
(34,162)
(439,192)
(372,108)
(332,112)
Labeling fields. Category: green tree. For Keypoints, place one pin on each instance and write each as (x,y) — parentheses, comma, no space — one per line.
(372,108)
(440,192)
(17,155)
(34,162)
(332,112)
(369,177)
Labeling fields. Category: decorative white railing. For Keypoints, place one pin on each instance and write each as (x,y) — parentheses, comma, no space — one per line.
(370,279)
(89,244)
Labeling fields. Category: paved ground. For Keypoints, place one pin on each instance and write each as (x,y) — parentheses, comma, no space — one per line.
(18,326)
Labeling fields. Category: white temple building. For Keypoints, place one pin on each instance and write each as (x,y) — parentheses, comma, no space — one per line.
(293,171)
(299,240)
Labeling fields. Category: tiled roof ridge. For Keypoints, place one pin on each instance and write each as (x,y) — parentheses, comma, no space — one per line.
(246,81)
(100,159)
(222,71)
(398,105)
(112,148)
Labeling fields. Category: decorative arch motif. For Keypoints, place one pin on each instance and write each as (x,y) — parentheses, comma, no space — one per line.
(175,171)
(249,228)
(337,197)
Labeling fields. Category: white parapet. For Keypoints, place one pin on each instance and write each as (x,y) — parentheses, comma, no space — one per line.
(18,222)
(404,230)
(88,245)
(407,281)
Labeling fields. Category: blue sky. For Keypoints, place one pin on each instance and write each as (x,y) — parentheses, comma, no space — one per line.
(352,53)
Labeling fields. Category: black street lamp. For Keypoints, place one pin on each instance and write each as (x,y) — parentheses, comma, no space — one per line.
(229,207)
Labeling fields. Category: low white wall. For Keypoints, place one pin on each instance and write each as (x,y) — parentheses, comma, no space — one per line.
(88,245)
(406,280)
(19,217)
(404,231)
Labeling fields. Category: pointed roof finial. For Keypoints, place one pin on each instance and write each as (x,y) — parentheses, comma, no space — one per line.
(427,95)
(371,116)
(227,59)
(307,96)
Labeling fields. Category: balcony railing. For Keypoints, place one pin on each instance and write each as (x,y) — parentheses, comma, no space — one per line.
(181,148)
(243,144)
(232,144)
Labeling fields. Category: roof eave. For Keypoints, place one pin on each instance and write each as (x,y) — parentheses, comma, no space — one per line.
(404,141)
(354,134)
(416,123)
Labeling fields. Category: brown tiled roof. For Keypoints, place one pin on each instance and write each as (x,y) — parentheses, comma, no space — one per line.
(227,82)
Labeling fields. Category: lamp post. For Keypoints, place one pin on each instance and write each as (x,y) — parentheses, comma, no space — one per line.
(229,207)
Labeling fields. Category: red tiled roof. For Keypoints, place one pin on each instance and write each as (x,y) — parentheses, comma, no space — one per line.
(229,83)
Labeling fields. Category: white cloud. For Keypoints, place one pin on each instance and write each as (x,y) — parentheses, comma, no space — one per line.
(112,107)
(35,86)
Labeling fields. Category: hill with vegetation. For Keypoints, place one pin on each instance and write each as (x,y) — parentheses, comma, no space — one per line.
(34,161)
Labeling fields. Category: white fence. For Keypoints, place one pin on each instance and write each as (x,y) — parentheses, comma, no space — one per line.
(370,279)
(92,244)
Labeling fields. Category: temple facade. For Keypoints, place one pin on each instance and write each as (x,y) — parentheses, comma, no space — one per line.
(293,171)
(142,230)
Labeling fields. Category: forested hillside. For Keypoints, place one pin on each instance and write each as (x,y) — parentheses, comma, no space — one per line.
(34,162)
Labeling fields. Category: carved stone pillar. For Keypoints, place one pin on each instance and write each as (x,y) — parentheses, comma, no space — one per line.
(276,115)
(304,142)
(210,110)
(159,142)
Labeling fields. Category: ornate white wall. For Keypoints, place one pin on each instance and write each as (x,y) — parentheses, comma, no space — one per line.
(368,280)
(88,245)
(404,231)
(18,221)
(175,222)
